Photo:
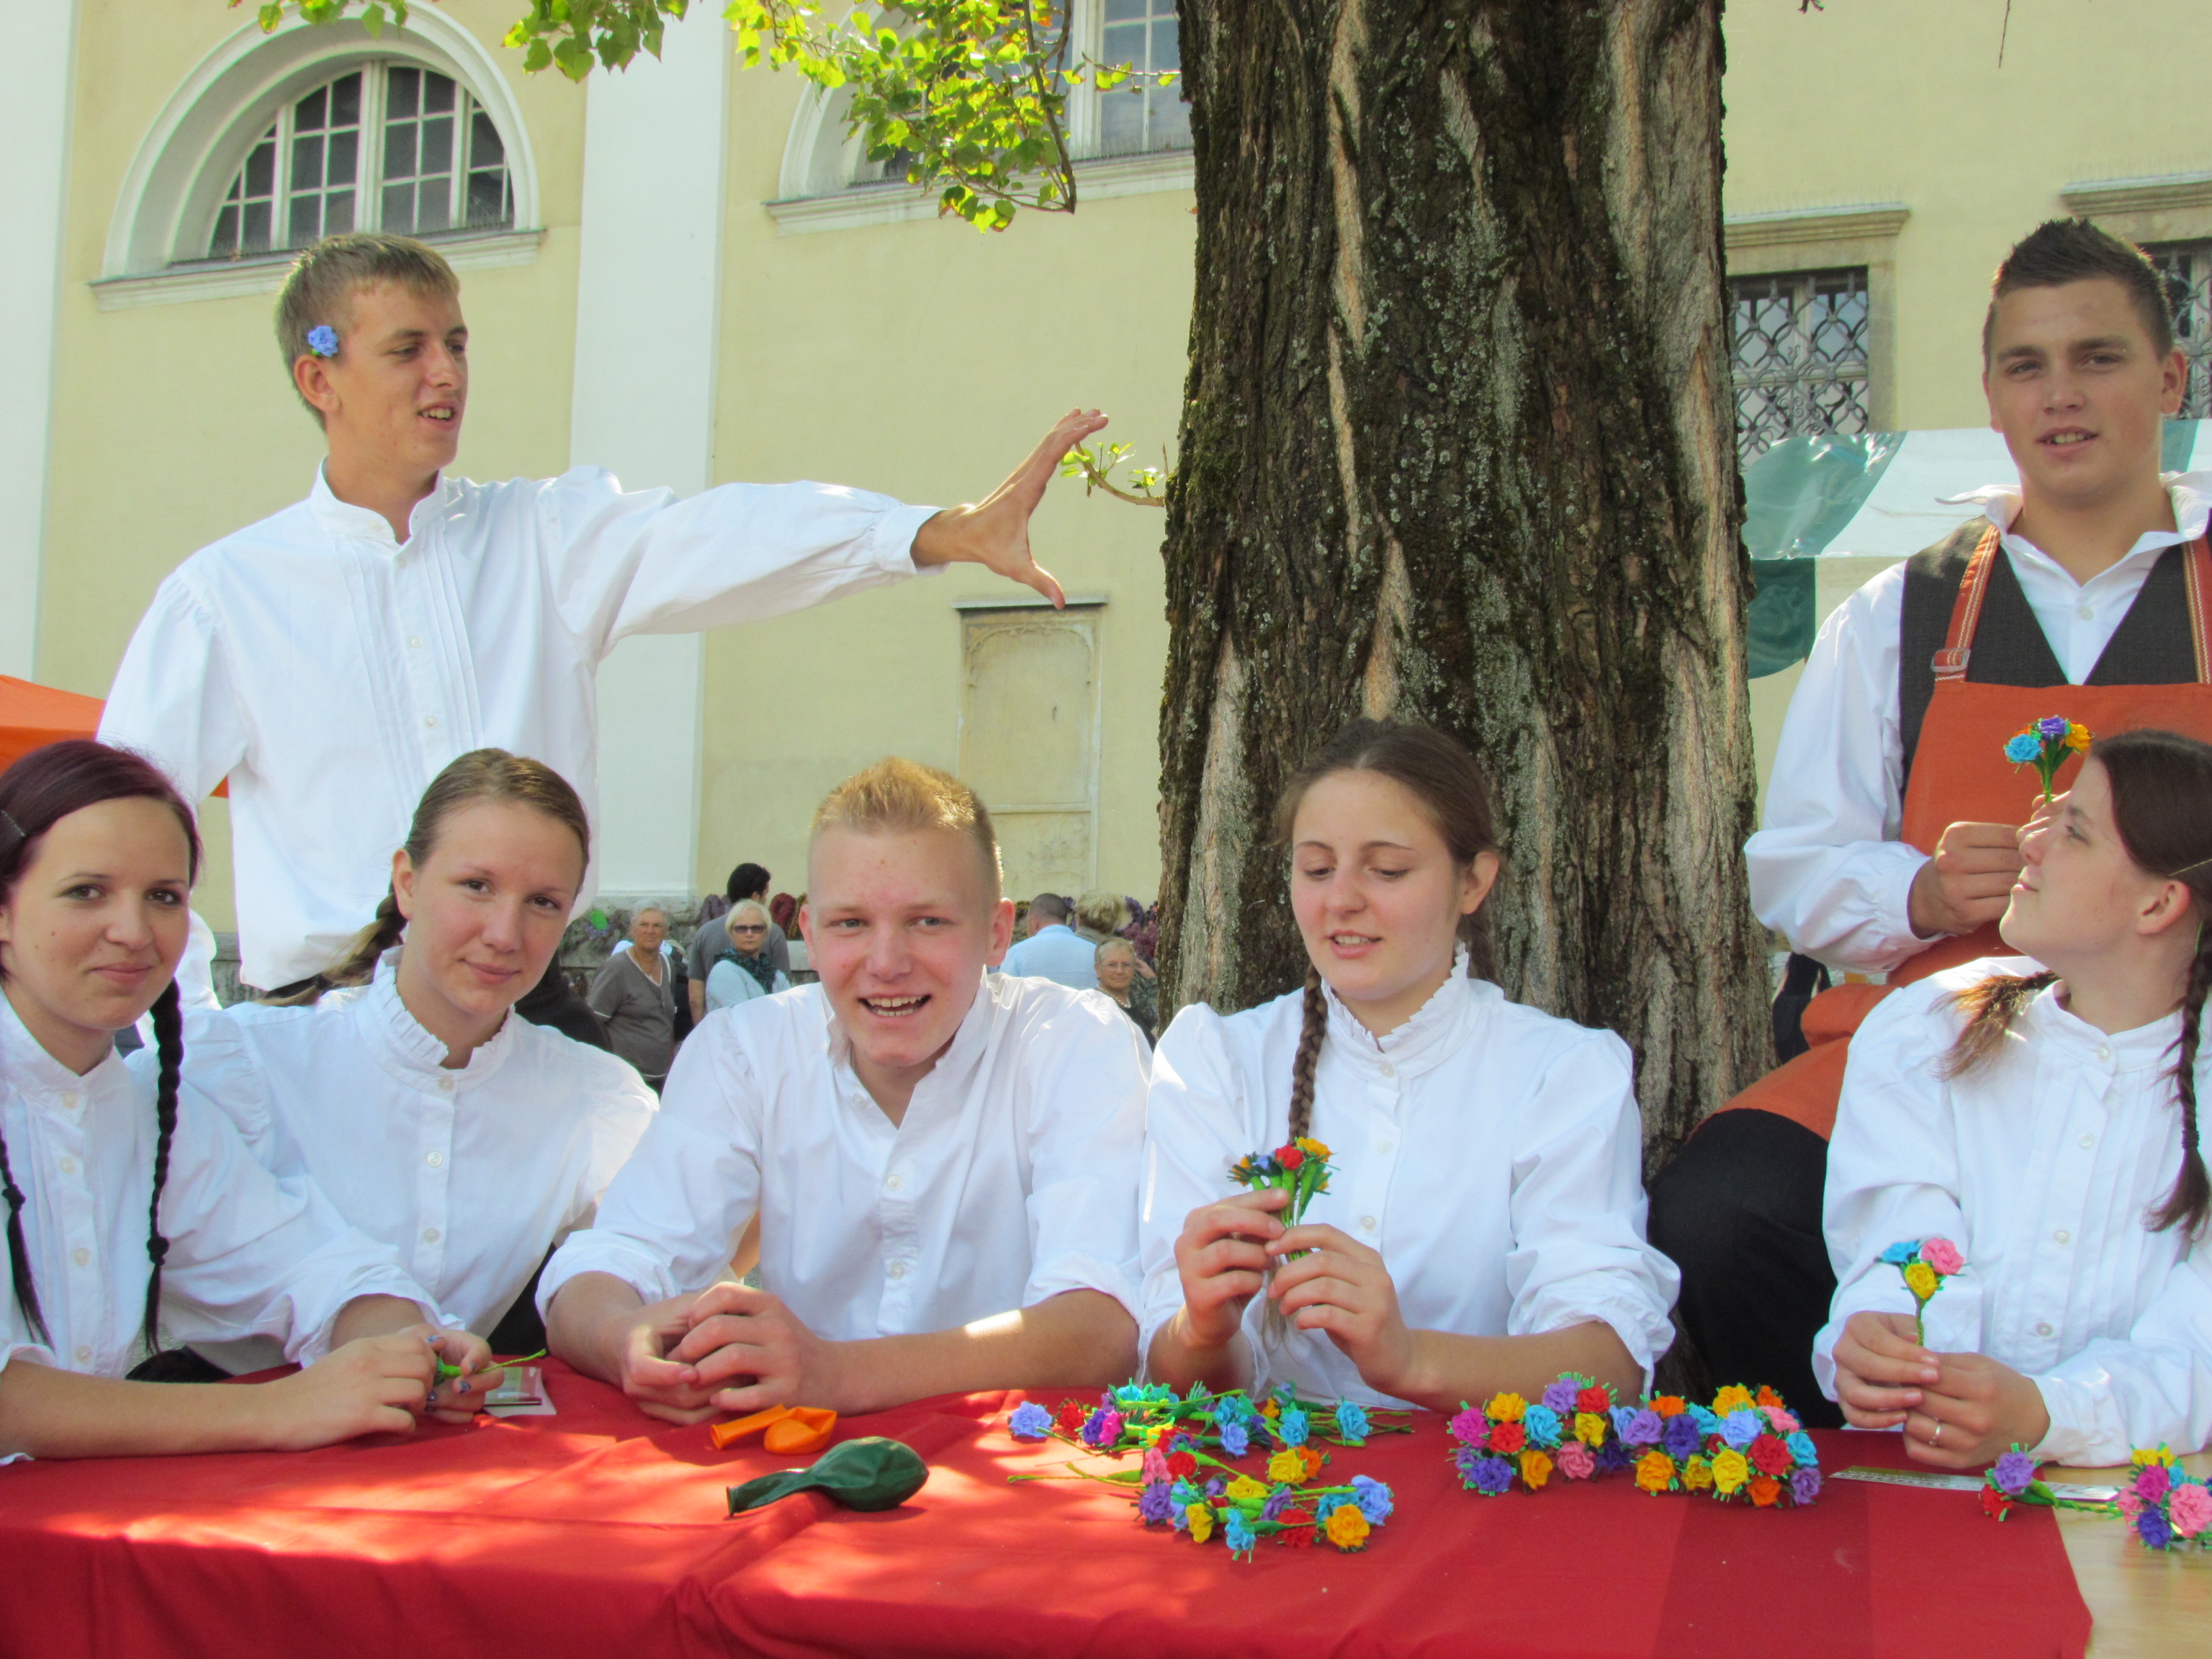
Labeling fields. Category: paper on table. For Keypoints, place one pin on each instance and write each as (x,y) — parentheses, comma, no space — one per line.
(521,1394)
(1968,1483)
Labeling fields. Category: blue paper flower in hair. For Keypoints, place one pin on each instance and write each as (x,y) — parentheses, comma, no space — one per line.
(323,340)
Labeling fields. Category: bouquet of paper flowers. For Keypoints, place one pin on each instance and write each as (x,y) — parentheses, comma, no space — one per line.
(1300,1167)
(1569,1431)
(1741,1446)
(2047,745)
(2167,1508)
(1184,1478)
(1925,1263)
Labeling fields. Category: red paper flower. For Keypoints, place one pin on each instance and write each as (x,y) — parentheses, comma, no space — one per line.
(1994,1502)
(1182,1465)
(1763,1492)
(1072,1416)
(1770,1456)
(1289,1157)
(1297,1531)
(1507,1437)
(1596,1401)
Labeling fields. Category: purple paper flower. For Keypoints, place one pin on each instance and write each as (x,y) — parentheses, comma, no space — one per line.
(1805,1484)
(1739,1429)
(1235,1441)
(1103,1427)
(1622,1417)
(1030,1421)
(2151,1527)
(1216,1486)
(2053,725)
(2014,1470)
(1613,1455)
(1643,1427)
(1182,1495)
(1485,1473)
(1373,1498)
(1277,1502)
(1154,1506)
(1560,1397)
(1681,1438)
(323,340)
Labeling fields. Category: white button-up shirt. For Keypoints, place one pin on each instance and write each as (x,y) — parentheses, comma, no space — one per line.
(1827,870)
(471,1175)
(2041,1166)
(1492,1154)
(330,673)
(1012,1178)
(248,1254)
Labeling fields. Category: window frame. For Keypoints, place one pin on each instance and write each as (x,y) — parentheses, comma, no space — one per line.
(1793,383)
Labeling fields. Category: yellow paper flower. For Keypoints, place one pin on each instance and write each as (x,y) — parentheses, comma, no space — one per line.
(1697,1474)
(1535,1469)
(1312,1148)
(1286,1464)
(2077,737)
(1245,1490)
(1271,1407)
(1920,1279)
(1506,1408)
(1589,1428)
(1347,1526)
(1730,1471)
(1732,1399)
(1202,1521)
(1655,1472)
(2146,1456)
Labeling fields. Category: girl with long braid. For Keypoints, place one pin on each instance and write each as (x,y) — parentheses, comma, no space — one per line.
(2044,1114)
(1485,1228)
(128,1210)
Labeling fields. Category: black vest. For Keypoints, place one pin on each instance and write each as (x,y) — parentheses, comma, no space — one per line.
(2152,645)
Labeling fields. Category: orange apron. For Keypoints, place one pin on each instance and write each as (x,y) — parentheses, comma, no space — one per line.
(1960,775)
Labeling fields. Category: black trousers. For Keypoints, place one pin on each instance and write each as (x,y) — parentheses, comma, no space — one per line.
(1738,1212)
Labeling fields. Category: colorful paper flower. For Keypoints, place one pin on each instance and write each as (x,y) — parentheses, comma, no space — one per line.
(1924,1272)
(1560,1397)
(2014,1470)
(1181,1464)
(1535,1468)
(1236,1533)
(1286,1464)
(1593,1399)
(1730,1471)
(1347,1527)
(1574,1461)
(1995,1503)
(1741,1428)
(1469,1427)
(1200,1518)
(1351,1423)
(1155,1465)
(1669,1406)
(1373,1498)
(1508,1438)
(1681,1438)
(1644,1427)
(1655,1473)
(1804,1486)
(1943,1255)
(1698,1474)
(1153,1506)
(1030,1421)
(1589,1428)
(2153,1527)
(1734,1398)
(1506,1408)
(1541,1425)
(1293,1428)
(1920,1279)
(1487,1475)
(323,340)
(1070,1417)
(2047,745)
(2190,1510)
(2022,749)
(1245,1490)
(2153,1483)
(1235,1440)
(1765,1490)
(1770,1456)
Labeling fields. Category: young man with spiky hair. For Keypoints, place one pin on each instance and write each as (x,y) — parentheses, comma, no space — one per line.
(331,659)
(942,1161)
(1890,841)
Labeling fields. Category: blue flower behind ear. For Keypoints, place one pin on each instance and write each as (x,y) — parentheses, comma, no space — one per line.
(323,340)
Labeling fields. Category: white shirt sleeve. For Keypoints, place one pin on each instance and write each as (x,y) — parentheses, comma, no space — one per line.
(647,562)
(667,1220)
(1086,1133)
(1827,870)
(172,699)
(1579,1253)
(2153,1390)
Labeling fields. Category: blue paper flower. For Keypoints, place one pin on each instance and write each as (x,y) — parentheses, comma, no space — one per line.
(1802,1447)
(1292,1426)
(1739,1429)
(323,340)
(1236,1533)
(1216,1486)
(1542,1425)
(1682,1437)
(1373,1498)
(1351,1423)
(2021,749)
(1704,1418)
(1030,1421)
(1235,1440)
(1183,1495)
(1905,1248)
(1622,1417)
(1327,1504)
(1643,1428)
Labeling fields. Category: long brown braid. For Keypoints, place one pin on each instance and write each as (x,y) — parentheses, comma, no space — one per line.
(2162,788)
(1445,778)
(169,1056)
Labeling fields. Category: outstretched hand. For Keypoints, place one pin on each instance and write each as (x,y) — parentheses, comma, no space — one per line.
(994,533)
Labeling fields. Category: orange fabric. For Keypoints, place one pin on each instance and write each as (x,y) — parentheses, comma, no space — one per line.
(1960,775)
(32,716)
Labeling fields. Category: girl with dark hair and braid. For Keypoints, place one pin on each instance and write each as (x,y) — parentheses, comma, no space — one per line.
(127,1213)
(1485,1228)
(2044,1114)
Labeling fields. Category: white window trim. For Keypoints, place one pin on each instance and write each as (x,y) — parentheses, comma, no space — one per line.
(219,110)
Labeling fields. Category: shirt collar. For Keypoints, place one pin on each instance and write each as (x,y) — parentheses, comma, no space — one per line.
(1425,1041)
(953,1068)
(409,1051)
(2144,1048)
(35,1073)
(339,517)
(2190,493)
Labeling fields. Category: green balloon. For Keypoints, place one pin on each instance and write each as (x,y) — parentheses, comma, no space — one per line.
(868,1474)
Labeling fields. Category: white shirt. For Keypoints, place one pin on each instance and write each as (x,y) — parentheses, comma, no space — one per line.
(1012,1178)
(1058,953)
(249,1253)
(2041,1166)
(330,673)
(1827,870)
(1492,1153)
(471,1175)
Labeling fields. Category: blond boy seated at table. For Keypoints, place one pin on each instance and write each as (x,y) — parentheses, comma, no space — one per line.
(943,1162)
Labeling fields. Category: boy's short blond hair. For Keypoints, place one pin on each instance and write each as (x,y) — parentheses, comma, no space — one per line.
(894,795)
(320,288)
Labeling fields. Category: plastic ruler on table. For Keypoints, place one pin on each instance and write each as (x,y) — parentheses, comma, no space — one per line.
(1937,1482)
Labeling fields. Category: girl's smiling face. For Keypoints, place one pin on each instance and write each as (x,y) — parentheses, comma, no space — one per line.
(92,929)
(2081,896)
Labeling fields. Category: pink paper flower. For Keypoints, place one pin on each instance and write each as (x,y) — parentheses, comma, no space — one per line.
(1155,1465)
(1574,1461)
(2189,1510)
(2151,1482)
(2129,1505)
(1783,1421)
(1943,1255)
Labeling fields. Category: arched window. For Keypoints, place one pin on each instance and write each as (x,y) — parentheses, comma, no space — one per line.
(388,146)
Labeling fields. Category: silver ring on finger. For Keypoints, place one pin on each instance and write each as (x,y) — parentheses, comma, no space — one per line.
(1937,1438)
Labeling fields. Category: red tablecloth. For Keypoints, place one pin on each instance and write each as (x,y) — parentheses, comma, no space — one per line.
(598,1531)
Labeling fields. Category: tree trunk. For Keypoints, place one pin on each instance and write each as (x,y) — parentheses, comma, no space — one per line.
(1458,447)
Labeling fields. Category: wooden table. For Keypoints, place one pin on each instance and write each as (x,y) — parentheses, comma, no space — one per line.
(2148,1605)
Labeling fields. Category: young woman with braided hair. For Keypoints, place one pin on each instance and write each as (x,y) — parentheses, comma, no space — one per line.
(133,1214)
(1485,1228)
(2042,1114)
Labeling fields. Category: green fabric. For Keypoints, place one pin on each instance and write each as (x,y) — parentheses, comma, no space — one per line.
(868,1474)
(2174,446)
(1797,497)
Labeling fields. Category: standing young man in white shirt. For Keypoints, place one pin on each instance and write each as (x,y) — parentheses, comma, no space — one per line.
(331,659)
(943,1162)
(1890,835)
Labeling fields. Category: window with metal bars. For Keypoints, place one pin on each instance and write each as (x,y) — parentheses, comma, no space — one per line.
(2186,269)
(1798,344)
(388,146)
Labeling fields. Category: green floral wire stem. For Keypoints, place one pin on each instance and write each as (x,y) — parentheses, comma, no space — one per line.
(446,1372)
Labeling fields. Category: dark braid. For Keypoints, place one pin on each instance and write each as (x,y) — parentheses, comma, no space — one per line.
(19,1259)
(1991,1007)
(2187,1204)
(169,1052)
(357,965)
(1310,1032)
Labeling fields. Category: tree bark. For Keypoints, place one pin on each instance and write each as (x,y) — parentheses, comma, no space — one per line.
(1458,447)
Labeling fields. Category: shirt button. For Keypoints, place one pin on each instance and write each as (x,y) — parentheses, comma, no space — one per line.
(414,642)
(1388,1070)
(1368,1223)
(2104,1053)
(2088,1141)
(445,1083)
(896,1270)
(1383,1148)
(72,1102)
(82,1256)
(429,1235)
(437,1159)
(429,719)
(400,563)
(2060,1236)
(2085,613)
(83,1355)
(891,1183)
(69,1166)
(2043,1327)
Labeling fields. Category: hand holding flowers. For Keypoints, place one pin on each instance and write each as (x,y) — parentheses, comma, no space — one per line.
(2047,745)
